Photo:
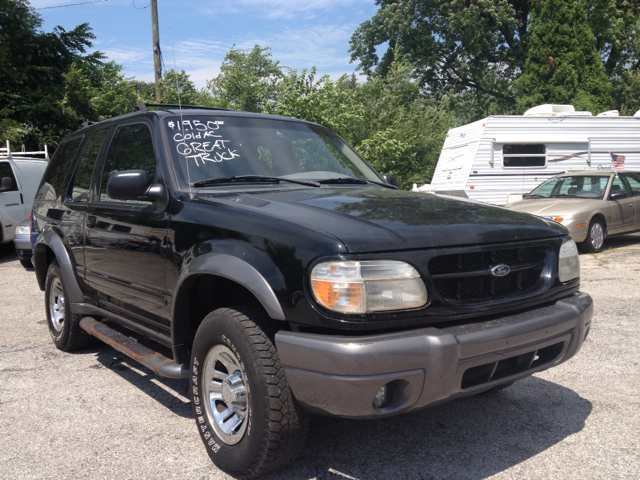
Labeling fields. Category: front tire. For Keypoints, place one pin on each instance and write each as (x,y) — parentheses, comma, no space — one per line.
(595,238)
(64,326)
(247,417)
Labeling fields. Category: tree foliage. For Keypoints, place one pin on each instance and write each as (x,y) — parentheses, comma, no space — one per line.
(34,86)
(388,120)
(247,80)
(563,64)
(483,45)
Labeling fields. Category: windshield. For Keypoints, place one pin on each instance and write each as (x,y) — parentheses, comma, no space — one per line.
(578,186)
(210,147)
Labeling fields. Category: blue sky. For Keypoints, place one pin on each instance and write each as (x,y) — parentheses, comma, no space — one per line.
(301,34)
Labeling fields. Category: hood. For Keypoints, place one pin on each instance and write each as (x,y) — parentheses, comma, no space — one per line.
(554,206)
(370,219)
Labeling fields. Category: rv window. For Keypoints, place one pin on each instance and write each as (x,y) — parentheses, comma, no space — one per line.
(524,155)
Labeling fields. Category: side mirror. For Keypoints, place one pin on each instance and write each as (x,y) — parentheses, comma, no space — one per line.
(391,180)
(617,195)
(133,185)
(7,184)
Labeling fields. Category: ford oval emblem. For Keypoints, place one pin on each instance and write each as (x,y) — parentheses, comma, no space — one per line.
(500,270)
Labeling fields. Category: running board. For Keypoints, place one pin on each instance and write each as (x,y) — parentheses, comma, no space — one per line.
(163,366)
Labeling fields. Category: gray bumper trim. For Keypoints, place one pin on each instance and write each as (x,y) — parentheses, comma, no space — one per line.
(338,375)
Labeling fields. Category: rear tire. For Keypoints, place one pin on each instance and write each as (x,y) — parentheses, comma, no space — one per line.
(595,237)
(244,409)
(64,326)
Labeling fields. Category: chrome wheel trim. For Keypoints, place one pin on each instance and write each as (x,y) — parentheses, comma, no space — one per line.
(226,394)
(597,236)
(56,305)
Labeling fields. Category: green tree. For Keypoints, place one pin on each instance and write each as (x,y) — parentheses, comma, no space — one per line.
(247,80)
(34,88)
(563,64)
(482,45)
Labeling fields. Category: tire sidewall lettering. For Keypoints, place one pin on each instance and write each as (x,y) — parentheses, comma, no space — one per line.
(201,422)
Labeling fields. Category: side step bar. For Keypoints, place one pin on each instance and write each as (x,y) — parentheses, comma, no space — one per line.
(163,366)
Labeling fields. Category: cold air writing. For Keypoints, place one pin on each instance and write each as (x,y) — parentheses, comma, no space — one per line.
(201,141)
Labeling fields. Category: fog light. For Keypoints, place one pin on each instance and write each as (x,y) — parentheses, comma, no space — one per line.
(383,397)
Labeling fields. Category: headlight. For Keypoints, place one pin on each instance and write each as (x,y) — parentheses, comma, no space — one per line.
(23,230)
(556,218)
(569,262)
(367,286)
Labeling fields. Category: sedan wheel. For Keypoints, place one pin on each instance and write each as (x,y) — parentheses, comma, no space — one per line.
(595,238)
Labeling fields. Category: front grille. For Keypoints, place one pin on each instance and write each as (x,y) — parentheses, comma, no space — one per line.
(466,278)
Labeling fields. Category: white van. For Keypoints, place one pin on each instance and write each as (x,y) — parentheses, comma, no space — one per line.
(20,176)
(501,157)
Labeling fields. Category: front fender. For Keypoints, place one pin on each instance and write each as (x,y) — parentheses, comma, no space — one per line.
(236,270)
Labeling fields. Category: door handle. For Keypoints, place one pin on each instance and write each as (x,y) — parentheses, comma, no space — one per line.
(91,221)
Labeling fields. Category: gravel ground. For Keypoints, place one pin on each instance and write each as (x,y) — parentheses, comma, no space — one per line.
(96,414)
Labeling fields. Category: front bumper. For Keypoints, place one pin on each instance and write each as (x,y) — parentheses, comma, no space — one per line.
(577,234)
(339,375)
(23,246)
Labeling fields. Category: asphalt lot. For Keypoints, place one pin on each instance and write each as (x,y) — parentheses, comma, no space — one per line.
(96,414)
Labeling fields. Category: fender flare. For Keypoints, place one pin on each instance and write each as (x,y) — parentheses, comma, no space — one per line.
(49,239)
(237,270)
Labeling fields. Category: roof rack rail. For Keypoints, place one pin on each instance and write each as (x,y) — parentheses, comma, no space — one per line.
(86,124)
(6,152)
(142,107)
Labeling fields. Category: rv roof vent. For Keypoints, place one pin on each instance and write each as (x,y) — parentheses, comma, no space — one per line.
(548,110)
(609,113)
(637,114)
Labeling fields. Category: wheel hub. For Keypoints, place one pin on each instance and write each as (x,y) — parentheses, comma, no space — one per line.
(56,305)
(226,394)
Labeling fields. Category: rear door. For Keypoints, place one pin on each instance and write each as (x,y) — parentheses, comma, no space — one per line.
(12,209)
(633,183)
(621,212)
(124,255)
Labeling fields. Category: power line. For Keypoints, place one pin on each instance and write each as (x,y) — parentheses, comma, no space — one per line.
(71,4)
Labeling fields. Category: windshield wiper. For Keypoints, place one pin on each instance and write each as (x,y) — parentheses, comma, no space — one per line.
(250,178)
(355,181)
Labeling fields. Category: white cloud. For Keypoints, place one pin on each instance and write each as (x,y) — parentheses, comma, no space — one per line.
(280,9)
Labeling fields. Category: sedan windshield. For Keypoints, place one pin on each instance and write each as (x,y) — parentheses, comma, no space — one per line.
(578,186)
(211,147)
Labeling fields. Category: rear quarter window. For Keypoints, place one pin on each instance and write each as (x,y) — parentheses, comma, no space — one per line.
(57,170)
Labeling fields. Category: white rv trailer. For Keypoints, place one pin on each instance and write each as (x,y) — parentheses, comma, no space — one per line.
(501,157)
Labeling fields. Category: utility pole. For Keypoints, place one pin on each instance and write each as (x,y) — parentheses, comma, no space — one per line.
(156,46)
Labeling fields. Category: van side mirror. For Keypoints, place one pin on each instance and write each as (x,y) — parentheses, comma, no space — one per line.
(7,184)
(391,180)
(617,195)
(133,185)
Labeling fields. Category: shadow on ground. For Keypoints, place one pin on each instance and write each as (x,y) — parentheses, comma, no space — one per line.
(172,394)
(470,438)
(622,241)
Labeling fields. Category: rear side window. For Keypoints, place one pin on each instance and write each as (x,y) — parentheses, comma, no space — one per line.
(7,171)
(130,149)
(57,169)
(534,155)
(79,186)
(634,182)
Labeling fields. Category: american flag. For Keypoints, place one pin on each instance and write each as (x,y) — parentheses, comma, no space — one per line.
(617,160)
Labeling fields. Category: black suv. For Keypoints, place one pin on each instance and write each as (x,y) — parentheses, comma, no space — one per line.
(266,262)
